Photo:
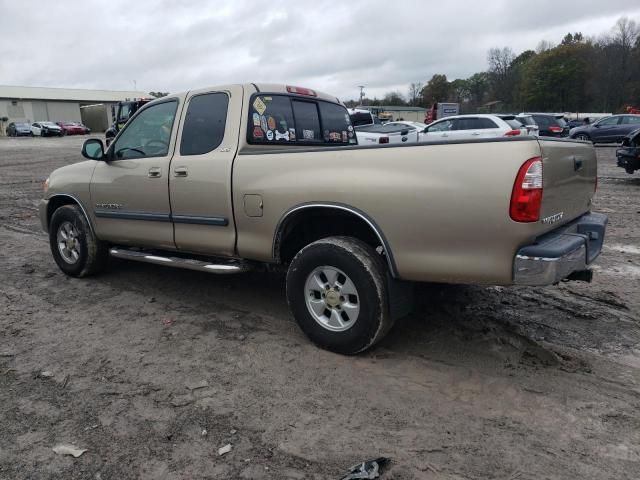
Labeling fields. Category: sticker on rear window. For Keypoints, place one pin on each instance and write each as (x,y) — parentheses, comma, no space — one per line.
(259,106)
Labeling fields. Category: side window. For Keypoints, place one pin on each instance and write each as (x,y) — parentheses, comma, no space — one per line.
(484,123)
(629,120)
(271,119)
(466,124)
(608,122)
(148,134)
(204,123)
(307,121)
(336,123)
(443,126)
(125,112)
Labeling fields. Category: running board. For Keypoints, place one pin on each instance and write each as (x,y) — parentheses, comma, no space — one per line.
(223,268)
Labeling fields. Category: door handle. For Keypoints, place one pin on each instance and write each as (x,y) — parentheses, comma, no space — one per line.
(180,172)
(475,134)
(155,172)
(444,135)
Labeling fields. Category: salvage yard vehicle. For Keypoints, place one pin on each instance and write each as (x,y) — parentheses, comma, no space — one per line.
(46,129)
(629,154)
(73,128)
(240,177)
(549,124)
(611,129)
(473,126)
(19,129)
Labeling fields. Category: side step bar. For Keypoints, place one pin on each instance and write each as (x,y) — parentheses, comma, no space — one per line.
(223,268)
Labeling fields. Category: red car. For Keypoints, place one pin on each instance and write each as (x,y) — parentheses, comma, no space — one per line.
(73,128)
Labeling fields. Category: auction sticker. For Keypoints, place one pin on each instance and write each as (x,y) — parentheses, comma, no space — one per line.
(256,120)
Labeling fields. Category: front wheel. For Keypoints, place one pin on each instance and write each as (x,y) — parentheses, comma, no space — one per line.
(337,292)
(75,249)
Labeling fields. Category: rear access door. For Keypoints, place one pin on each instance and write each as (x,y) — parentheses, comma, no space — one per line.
(200,171)
(569,176)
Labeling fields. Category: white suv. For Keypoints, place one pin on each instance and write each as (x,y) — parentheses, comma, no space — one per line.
(460,127)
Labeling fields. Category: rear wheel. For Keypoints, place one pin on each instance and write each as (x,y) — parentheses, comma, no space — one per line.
(337,292)
(75,249)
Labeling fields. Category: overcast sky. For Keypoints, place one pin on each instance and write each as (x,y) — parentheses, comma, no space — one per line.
(176,45)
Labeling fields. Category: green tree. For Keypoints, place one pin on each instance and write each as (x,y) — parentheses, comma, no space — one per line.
(555,79)
(436,90)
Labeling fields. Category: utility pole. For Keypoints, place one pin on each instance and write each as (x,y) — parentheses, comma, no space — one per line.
(361,87)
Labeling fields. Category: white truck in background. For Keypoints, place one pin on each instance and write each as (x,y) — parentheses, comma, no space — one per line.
(370,131)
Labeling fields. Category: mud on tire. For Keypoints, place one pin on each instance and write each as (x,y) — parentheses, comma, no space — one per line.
(351,260)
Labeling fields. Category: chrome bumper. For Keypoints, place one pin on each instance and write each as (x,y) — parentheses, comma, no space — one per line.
(558,254)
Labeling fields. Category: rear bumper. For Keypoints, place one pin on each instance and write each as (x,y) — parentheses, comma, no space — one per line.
(557,254)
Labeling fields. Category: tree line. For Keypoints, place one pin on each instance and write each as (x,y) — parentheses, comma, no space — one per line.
(580,74)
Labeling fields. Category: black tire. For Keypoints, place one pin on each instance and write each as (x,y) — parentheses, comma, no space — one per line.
(92,253)
(365,268)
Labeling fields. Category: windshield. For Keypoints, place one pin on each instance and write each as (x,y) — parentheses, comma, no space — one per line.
(23,125)
(49,124)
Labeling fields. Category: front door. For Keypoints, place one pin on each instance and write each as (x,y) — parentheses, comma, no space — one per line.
(130,190)
(200,175)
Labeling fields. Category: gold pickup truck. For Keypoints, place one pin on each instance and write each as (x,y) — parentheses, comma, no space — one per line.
(239,177)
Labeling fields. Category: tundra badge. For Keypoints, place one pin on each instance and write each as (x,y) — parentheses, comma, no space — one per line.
(553,218)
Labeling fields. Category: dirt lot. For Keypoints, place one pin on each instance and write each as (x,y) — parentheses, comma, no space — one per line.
(154,369)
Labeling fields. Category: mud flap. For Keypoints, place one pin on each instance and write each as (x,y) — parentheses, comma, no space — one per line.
(401,297)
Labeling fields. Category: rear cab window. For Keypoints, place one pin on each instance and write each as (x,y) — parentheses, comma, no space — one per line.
(284,119)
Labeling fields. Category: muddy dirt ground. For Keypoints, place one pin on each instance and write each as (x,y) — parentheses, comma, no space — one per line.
(154,369)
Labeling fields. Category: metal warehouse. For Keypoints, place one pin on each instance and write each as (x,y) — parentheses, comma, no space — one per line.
(36,104)
(415,114)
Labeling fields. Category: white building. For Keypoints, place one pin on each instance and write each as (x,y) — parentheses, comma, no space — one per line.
(34,104)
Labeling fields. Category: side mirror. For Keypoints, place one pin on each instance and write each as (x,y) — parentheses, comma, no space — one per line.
(597,125)
(426,130)
(93,149)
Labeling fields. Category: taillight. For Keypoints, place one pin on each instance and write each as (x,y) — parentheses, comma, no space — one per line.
(383,140)
(301,91)
(526,198)
(512,133)
(555,129)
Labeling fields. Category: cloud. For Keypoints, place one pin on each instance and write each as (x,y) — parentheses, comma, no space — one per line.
(178,45)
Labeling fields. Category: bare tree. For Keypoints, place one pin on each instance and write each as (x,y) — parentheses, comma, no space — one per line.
(414,93)
(543,46)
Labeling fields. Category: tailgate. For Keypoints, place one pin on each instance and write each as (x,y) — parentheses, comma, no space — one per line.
(569,173)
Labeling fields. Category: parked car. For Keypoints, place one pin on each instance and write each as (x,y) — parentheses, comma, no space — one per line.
(473,126)
(18,129)
(549,124)
(629,154)
(611,129)
(231,178)
(46,129)
(529,123)
(73,128)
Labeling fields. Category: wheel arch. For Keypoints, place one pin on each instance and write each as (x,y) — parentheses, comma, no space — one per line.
(290,234)
(61,199)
